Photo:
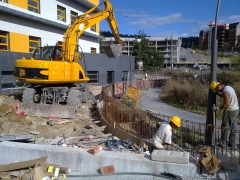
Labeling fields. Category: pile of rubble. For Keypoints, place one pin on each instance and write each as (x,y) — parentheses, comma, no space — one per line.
(83,131)
(41,130)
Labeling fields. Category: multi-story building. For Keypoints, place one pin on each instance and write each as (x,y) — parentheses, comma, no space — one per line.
(203,40)
(169,47)
(27,24)
(226,35)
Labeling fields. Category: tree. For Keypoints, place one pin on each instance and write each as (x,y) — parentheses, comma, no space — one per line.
(226,46)
(150,57)
(238,41)
(102,43)
(236,62)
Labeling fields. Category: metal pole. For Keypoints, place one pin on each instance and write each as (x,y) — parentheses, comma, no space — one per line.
(211,94)
(131,59)
(171,55)
(214,130)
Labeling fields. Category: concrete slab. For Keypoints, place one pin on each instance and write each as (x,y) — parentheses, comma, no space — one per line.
(80,160)
(230,163)
(170,156)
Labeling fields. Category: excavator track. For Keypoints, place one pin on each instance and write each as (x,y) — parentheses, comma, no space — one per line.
(68,102)
(74,99)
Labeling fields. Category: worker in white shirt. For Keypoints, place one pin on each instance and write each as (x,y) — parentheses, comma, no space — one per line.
(164,133)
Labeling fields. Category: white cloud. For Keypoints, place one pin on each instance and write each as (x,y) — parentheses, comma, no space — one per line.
(152,21)
(184,35)
(163,34)
(229,19)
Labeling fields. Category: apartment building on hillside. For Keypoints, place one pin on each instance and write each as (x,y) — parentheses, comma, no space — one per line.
(226,35)
(27,24)
(169,47)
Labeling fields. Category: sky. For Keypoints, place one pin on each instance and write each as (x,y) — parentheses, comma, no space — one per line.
(165,18)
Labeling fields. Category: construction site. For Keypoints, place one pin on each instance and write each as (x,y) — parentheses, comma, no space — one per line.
(62,117)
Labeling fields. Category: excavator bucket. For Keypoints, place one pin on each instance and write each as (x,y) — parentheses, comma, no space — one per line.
(113,50)
(45,110)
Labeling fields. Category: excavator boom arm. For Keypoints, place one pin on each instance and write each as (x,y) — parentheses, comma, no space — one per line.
(84,22)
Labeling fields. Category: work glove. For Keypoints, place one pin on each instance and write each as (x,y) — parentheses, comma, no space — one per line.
(215,108)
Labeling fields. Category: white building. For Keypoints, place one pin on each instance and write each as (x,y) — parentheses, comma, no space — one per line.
(26,24)
(169,47)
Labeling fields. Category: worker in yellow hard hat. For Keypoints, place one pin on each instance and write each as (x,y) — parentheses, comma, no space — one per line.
(164,133)
(230,109)
(213,85)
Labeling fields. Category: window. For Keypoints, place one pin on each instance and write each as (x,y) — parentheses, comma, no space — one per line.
(6,1)
(61,13)
(124,75)
(93,75)
(33,5)
(93,50)
(110,77)
(93,28)
(34,42)
(4,40)
(74,15)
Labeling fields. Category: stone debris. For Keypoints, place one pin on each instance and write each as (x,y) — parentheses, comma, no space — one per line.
(49,130)
(83,131)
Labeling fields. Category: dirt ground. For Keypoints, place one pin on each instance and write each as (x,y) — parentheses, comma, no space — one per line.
(83,130)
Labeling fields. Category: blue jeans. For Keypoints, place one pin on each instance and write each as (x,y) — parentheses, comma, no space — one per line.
(228,127)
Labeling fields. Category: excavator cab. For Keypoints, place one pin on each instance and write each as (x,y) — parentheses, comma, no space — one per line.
(48,53)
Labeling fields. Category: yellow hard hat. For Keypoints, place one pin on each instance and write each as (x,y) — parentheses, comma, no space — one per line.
(176,120)
(213,85)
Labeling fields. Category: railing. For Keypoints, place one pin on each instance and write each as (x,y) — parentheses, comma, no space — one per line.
(142,124)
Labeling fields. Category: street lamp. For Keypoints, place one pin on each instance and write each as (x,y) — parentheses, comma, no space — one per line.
(210,135)
(136,40)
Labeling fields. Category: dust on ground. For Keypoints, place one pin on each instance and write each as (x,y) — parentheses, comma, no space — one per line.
(82,130)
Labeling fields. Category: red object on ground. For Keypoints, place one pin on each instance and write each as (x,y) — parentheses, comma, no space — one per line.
(107,169)
(95,149)
(16,109)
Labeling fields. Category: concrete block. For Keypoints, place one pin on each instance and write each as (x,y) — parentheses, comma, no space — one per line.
(107,169)
(170,156)
(230,163)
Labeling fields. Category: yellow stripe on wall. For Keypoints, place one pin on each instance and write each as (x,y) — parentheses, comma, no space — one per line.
(19,42)
(96,2)
(19,3)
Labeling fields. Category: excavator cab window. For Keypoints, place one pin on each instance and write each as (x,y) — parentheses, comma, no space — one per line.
(48,53)
(57,53)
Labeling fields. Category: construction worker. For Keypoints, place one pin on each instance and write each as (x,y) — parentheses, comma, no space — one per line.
(230,112)
(164,132)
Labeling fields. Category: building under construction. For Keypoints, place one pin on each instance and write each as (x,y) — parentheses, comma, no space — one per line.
(226,35)
(169,47)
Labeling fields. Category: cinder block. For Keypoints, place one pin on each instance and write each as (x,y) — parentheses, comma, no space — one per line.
(170,156)
(107,169)
(95,149)
(230,163)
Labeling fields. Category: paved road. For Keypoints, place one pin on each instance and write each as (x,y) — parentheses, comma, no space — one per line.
(149,100)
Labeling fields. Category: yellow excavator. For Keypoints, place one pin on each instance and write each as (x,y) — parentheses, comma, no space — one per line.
(55,76)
